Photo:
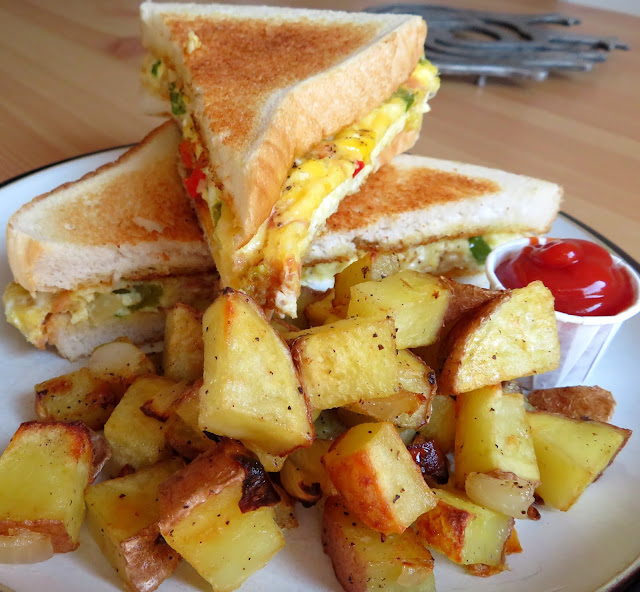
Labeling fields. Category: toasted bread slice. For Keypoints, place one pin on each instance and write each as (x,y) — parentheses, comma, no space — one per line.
(278,131)
(425,209)
(265,84)
(130,219)
(103,257)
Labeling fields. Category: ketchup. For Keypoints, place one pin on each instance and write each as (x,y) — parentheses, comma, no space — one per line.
(581,275)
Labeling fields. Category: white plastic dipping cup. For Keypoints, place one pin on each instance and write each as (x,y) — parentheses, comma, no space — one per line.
(583,340)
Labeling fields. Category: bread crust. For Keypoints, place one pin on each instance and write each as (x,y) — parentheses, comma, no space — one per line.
(331,69)
(130,218)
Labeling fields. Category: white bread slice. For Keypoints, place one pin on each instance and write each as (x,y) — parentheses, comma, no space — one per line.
(416,200)
(130,218)
(74,341)
(266,84)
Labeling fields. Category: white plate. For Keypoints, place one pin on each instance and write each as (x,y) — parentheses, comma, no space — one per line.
(594,546)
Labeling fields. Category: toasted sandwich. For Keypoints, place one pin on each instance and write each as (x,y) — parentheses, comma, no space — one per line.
(437,216)
(284,112)
(104,256)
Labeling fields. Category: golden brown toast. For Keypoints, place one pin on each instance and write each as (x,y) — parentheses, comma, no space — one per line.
(130,218)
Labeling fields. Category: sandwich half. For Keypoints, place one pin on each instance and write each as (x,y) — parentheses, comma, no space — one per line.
(437,216)
(284,112)
(104,256)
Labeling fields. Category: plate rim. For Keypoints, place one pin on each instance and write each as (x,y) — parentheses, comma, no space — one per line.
(622,581)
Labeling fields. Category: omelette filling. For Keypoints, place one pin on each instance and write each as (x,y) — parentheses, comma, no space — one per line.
(99,304)
(268,267)
(458,256)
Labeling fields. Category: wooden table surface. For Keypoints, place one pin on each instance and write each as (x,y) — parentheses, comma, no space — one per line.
(70,86)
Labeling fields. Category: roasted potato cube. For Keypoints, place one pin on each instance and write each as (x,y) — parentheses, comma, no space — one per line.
(123,517)
(186,441)
(442,422)
(572,454)
(417,302)
(77,396)
(160,405)
(363,560)
(285,510)
(409,407)
(43,474)
(183,355)
(493,434)
(272,463)
(463,531)
(303,475)
(182,432)
(137,439)
(347,361)
(328,425)
(372,267)
(513,335)
(120,360)
(577,402)
(251,389)
(377,477)
(218,514)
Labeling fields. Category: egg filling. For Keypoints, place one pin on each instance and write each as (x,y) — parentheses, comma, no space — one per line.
(268,267)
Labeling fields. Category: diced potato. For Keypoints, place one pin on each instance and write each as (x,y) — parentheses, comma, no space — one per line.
(417,302)
(272,463)
(77,396)
(578,402)
(135,438)
(410,407)
(218,514)
(328,425)
(372,267)
(511,336)
(123,517)
(43,474)
(442,423)
(251,389)
(285,510)
(182,432)
(572,454)
(363,560)
(463,531)
(120,360)
(303,475)
(377,477)
(492,434)
(347,361)
(160,405)
(316,312)
(183,355)
(186,441)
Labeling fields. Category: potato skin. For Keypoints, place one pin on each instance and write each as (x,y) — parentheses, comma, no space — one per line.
(577,402)
(228,462)
(364,559)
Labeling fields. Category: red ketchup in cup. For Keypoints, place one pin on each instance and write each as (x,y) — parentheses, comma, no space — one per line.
(581,275)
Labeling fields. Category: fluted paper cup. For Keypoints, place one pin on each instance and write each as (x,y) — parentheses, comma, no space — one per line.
(583,340)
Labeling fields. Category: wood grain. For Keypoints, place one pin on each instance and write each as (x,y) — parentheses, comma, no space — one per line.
(70,86)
